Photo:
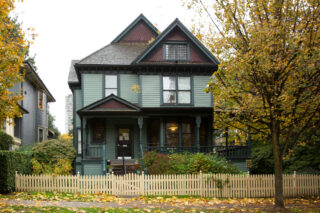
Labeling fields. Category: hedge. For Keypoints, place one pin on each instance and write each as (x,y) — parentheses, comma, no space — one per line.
(10,162)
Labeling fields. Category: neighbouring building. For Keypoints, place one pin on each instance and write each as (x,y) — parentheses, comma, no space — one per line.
(144,91)
(68,113)
(32,127)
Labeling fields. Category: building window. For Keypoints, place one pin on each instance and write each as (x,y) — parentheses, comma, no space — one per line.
(176,90)
(111,85)
(179,133)
(176,52)
(40,135)
(17,127)
(153,131)
(98,131)
(40,100)
(79,141)
(172,134)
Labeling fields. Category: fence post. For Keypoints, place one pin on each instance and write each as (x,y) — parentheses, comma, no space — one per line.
(113,182)
(78,182)
(16,181)
(295,183)
(142,183)
(201,183)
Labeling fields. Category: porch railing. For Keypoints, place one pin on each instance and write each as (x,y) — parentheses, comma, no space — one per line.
(229,152)
(94,152)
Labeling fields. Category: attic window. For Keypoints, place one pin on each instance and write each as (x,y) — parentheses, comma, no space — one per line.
(176,52)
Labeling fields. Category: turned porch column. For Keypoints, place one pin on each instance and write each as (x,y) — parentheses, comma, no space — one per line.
(198,124)
(84,137)
(140,123)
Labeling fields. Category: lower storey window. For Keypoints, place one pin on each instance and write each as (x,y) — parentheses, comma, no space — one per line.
(179,133)
(40,134)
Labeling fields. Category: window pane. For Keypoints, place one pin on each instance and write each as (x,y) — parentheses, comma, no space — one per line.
(169,97)
(153,132)
(111,81)
(184,97)
(111,91)
(183,83)
(169,83)
(172,134)
(187,134)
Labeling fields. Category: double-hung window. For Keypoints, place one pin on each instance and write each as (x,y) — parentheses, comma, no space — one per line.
(176,90)
(111,85)
(175,52)
(40,100)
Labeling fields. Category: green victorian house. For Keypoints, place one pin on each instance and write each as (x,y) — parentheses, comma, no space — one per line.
(144,91)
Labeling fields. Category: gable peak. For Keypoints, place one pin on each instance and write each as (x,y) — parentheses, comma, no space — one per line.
(146,29)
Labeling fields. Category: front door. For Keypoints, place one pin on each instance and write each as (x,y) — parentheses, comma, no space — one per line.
(124,144)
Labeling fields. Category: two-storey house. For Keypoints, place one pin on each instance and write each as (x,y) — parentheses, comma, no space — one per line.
(144,91)
(32,127)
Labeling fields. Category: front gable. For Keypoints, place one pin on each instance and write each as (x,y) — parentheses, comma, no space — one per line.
(110,103)
(177,34)
(140,30)
(195,55)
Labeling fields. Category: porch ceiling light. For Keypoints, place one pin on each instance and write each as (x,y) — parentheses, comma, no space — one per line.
(173,127)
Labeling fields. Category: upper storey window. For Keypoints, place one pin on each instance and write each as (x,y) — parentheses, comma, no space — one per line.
(176,90)
(176,52)
(111,85)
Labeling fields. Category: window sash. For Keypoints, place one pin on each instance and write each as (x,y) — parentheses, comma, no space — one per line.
(111,85)
(178,92)
(176,52)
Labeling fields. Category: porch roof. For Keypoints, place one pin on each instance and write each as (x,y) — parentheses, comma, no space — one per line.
(110,104)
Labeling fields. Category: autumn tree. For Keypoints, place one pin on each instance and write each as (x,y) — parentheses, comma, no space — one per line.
(13,47)
(268,81)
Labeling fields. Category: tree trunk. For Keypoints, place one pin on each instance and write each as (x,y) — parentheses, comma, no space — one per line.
(275,132)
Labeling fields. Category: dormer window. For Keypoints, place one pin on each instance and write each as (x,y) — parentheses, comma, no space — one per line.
(176,52)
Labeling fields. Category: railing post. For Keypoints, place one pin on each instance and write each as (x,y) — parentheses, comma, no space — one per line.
(142,183)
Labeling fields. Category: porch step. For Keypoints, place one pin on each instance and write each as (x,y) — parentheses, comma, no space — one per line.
(117,166)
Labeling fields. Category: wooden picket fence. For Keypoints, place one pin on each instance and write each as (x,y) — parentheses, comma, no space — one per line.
(209,185)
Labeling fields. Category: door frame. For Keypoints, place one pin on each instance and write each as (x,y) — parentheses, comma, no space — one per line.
(124,126)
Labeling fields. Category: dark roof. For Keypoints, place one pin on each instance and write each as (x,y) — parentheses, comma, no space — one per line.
(73,78)
(115,54)
(174,24)
(32,76)
(141,17)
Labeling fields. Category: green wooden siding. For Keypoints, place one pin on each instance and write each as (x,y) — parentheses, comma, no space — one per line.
(92,88)
(201,99)
(150,86)
(92,169)
(78,96)
(241,165)
(126,82)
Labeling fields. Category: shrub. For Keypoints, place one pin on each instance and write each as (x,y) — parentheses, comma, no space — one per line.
(5,141)
(186,163)
(53,157)
(9,163)
(156,163)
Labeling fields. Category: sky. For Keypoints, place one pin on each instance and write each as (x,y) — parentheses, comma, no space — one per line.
(73,29)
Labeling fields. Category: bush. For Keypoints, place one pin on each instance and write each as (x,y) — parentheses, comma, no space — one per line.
(5,141)
(9,163)
(53,157)
(156,163)
(186,164)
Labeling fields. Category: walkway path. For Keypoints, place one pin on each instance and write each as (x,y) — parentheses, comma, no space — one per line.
(144,204)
